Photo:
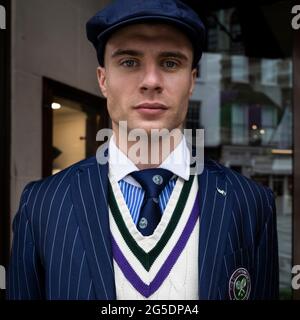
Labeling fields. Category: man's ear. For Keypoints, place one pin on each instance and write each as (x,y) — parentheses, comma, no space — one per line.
(193,80)
(101,76)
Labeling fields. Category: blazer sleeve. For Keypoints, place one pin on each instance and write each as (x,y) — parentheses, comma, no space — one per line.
(24,277)
(267,280)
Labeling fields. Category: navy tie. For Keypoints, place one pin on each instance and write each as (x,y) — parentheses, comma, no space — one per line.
(153,181)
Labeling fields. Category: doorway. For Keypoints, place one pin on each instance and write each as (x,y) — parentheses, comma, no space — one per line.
(71,120)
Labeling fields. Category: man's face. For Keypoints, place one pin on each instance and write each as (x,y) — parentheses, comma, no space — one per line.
(148,77)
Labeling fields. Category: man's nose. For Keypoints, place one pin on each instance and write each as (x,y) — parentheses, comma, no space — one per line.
(152,80)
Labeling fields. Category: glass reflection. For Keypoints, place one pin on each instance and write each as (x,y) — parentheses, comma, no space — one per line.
(244,105)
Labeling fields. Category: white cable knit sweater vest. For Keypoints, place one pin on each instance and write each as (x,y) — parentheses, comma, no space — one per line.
(164,265)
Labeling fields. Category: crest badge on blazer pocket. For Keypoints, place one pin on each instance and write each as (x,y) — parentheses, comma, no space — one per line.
(239,284)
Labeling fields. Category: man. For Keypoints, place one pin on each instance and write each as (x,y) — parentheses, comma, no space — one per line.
(132,229)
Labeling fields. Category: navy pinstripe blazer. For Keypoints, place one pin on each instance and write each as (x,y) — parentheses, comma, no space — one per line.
(62,248)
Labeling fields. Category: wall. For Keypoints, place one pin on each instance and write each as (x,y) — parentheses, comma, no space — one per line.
(48,40)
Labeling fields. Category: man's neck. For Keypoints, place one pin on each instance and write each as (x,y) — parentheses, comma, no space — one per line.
(148,151)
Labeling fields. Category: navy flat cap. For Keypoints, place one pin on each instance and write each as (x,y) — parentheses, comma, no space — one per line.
(121,13)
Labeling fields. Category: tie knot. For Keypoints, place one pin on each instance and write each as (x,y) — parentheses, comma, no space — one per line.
(153,181)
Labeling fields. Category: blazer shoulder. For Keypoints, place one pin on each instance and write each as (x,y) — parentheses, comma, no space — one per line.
(239,181)
(46,187)
(241,185)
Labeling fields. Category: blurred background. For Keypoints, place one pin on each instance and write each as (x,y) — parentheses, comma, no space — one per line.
(246,99)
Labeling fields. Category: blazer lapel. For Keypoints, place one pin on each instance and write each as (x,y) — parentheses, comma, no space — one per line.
(215,213)
(89,193)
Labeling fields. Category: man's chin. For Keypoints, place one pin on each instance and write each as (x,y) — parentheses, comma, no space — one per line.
(153,131)
(148,128)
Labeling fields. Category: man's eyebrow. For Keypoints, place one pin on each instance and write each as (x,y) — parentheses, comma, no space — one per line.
(173,54)
(137,53)
(127,52)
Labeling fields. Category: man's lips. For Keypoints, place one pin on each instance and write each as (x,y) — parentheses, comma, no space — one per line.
(151,108)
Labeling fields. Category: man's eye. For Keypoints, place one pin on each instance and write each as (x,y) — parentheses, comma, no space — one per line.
(170,64)
(129,63)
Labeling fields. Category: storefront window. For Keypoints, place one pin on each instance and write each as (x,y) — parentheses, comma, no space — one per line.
(245,95)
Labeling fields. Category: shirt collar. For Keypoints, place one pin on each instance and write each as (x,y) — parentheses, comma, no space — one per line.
(177,162)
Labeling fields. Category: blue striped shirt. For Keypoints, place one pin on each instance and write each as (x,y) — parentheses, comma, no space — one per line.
(134,197)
